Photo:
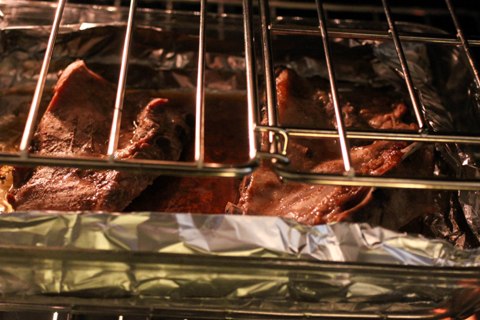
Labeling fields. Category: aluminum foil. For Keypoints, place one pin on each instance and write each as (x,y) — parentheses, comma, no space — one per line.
(228,235)
(254,264)
(265,259)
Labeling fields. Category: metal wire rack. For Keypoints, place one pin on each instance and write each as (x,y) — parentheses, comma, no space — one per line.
(341,133)
(266,9)
(283,134)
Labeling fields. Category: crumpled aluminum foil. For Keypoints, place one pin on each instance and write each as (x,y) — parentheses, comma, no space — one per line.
(228,235)
(353,267)
(220,261)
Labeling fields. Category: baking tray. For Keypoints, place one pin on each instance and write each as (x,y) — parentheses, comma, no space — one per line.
(211,266)
(186,264)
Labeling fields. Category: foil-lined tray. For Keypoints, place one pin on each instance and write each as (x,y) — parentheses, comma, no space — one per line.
(208,263)
(221,265)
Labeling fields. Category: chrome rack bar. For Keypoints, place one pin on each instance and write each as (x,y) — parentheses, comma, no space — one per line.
(367,34)
(357,7)
(134,165)
(464,42)
(372,135)
(333,87)
(403,62)
(122,79)
(200,96)
(221,20)
(221,8)
(169,5)
(37,96)
(337,7)
(251,76)
(378,181)
(270,86)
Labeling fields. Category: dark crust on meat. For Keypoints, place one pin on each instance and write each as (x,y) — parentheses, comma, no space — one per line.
(77,123)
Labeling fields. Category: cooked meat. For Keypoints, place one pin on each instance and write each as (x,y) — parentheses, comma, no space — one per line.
(77,122)
(264,193)
(187,194)
(301,104)
(204,194)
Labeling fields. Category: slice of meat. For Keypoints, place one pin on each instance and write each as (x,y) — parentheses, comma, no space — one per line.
(77,122)
(187,195)
(204,194)
(301,104)
(263,193)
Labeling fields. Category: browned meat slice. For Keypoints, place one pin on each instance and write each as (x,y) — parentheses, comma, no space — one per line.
(264,193)
(300,104)
(223,144)
(303,103)
(77,122)
(187,194)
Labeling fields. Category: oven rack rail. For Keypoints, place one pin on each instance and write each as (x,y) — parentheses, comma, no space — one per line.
(280,135)
(86,312)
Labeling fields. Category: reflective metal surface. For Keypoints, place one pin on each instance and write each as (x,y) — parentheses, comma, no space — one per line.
(217,266)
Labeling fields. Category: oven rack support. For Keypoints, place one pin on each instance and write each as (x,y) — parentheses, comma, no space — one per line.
(279,136)
(21,310)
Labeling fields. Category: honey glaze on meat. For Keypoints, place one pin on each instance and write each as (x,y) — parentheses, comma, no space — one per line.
(76,123)
(302,105)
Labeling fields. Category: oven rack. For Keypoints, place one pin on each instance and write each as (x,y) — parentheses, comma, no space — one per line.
(280,135)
